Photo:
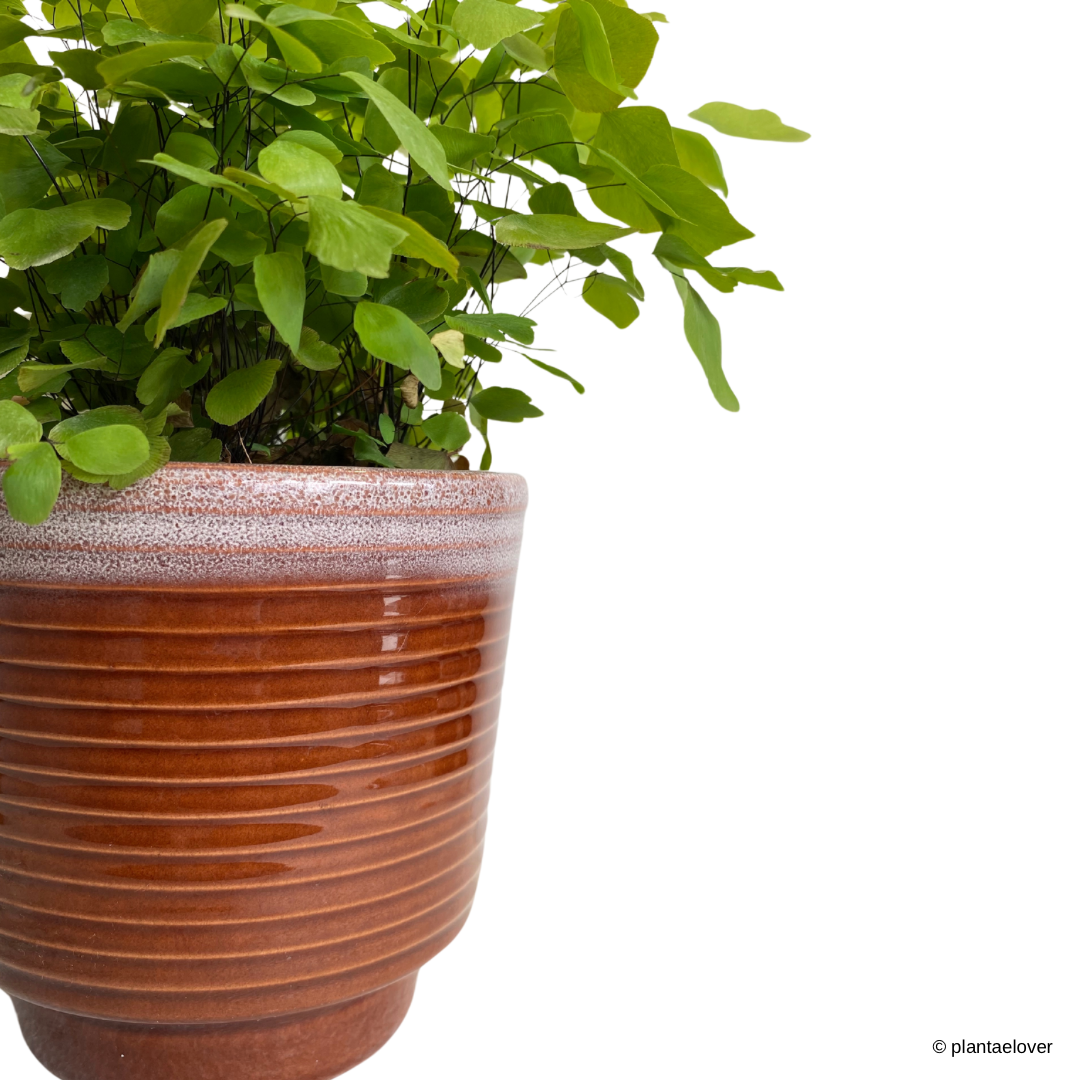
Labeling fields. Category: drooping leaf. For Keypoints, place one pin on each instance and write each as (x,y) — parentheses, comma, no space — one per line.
(195,307)
(392,336)
(147,293)
(496,326)
(17,425)
(595,50)
(282,288)
(611,298)
(347,236)
(187,266)
(505,404)
(107,451)
(747,123)
(558,372)
(241,392)
(118,69)
(205,178)
(557,231)
(703,335)
(447,431)
(31,237)
(698,156)
(299,169)
(484,23)
(712,221)
(418,243)
(763,279)
(418,141)
(631,41)
(31,485)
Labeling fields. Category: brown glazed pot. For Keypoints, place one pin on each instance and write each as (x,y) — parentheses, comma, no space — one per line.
(247,717)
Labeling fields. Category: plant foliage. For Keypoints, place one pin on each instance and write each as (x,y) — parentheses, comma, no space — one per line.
(276,232)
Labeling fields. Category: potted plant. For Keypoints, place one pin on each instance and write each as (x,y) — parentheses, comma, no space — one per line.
(254,601)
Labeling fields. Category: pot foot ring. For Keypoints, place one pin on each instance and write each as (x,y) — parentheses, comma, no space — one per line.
(314,1045)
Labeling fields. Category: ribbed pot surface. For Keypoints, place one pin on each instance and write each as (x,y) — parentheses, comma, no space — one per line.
(247,717)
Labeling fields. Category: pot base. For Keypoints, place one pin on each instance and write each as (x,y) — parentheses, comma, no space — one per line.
(313,1045)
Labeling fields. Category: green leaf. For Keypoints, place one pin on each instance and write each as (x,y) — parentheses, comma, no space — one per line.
(631,39)
(30,237)
(557,231)
(595,49)
(17,425)
(418,457)
(194,444)
(160,453)
(313,140)
(29,166)
(188,265)
(423,299)
(502,403)
(365,448)
(299,169)
(177,16)
(19,122)
(118,69)
(282,288)
(703,333)
(526,52)
(148,289)
(747,123)
(79,282)
(387,429)
(349,237)
(194,307)
(625,266)
(611,298)
(192,150)
(31,485)
(206,179)
(698,156)
(425,150)
(107,451)
(418,243)
(346,283)
(498,327)
(241,392)
(447,431)
(80,65)
(316,354)
(556,371)
(462,147)
(106,416)
(391,335)
(163,380)
(763,279)
(697,204)
(485,23)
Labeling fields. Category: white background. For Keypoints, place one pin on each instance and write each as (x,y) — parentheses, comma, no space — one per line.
(786,782)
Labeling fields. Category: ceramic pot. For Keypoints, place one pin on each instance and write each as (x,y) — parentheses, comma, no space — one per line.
(247,717)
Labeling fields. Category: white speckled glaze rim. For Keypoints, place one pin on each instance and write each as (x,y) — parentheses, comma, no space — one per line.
(196,525)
